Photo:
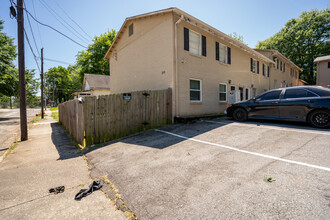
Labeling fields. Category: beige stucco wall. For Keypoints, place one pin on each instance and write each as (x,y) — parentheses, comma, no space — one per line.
(213,72)
(323,73)
(98,92)
(281,77)
(145,59)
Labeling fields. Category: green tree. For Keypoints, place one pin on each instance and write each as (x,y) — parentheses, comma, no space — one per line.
(91,60)
(7,71)
(57,84)
(76,82)
(237,37)
(302,40)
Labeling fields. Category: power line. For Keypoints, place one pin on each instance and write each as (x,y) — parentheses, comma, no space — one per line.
(46,25)
(73,20)
(56,16)
(37,24)
(57,61)
(34,56)
(35,43)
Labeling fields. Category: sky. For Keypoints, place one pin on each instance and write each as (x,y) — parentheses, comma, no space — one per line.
(255,20)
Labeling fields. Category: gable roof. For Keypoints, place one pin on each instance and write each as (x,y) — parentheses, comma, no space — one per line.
(277,53)
(194,21)
(324,58)
(96,81)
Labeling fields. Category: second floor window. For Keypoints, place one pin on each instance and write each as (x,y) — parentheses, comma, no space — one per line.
(194,42)
(223,53)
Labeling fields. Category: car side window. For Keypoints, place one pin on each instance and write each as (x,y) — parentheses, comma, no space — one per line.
(297,93)
(271,95)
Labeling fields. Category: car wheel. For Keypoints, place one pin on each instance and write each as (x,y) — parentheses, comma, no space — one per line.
(240,114)
(319,118)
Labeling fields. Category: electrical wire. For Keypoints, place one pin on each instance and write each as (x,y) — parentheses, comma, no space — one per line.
(57,61)
(34,55)
(56,16)
(34,10)
(73,20)
(35,43)
(46,25)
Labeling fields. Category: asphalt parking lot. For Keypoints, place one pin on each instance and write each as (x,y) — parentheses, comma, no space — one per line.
(214,169)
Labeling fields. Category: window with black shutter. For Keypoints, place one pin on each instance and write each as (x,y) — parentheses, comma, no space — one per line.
(268,71)
(217,50)
(186,39)
(251,62)
(203,45)
(258,67)
(229,55)
(263,69)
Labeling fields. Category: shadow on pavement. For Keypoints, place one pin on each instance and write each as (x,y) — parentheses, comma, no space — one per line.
(8,119)
(64,145)
(159,140)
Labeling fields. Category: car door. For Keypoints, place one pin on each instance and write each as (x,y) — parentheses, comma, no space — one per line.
(266,105)
(296,103)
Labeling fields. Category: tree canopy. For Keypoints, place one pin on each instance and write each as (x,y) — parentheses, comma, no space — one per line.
(61,82)
(91,60)
(7,68)
(302,40)
(237,37)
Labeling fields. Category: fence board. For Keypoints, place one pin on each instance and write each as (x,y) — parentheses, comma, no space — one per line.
(108,117)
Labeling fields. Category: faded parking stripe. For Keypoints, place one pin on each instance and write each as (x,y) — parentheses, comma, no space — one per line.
(268,127)
(247,152)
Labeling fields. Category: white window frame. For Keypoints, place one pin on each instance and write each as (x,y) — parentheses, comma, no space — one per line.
(200,90)
(200,43)
(266,71)
(249,93)
(254,66)
(225,53)
(226,91)
(254,89)
(275,60)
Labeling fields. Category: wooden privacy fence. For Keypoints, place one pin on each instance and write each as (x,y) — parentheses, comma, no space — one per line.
(108,117)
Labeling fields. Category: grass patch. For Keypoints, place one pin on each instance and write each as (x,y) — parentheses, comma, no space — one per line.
(10,149)
(55,115)
(54,108)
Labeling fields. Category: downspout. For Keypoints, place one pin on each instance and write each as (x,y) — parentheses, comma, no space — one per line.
(176,93)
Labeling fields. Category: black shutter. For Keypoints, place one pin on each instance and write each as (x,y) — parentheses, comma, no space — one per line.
(277,64)
(268,71)
(263,69)
(257,66)
(186,39)
(283,67)
(229,55)
(251,64)
(217,51)
(203,46)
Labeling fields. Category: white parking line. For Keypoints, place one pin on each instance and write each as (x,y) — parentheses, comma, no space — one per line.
(247,152)
(268,127)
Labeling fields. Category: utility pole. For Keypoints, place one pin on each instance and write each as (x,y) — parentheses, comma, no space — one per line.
(42,83)
(21,70)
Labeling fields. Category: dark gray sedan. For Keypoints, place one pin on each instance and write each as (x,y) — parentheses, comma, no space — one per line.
(302,103)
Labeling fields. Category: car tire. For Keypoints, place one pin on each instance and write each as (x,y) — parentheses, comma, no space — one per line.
(240,114)
(319,119)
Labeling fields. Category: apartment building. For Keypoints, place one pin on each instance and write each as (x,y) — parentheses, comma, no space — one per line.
(323,70)
(172,49)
